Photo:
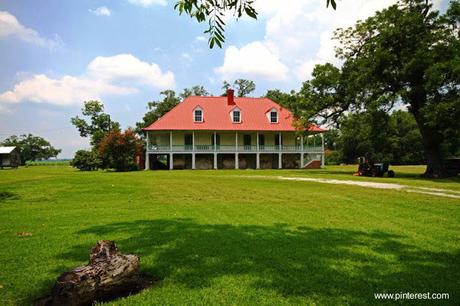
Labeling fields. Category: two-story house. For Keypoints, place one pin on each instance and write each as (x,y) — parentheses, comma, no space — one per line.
(231,133)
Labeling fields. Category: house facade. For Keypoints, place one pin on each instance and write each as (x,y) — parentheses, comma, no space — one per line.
(231,133)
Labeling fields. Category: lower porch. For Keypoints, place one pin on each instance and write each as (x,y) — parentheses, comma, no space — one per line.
(207,161)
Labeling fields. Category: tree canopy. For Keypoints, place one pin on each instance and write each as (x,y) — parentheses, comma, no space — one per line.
(32,147)
(197,90)
(120,149)
(243,87)
(408,55)
(99,122)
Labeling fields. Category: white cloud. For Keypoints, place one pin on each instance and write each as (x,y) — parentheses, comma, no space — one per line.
(64,91)
(148,3)
(101,11)
(129,67)
(201,38)
(303,30)
(11,27)
(186,56)
(105,76)
(252,60)
(299,34)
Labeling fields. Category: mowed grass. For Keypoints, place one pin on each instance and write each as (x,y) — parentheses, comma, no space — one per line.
(232,237)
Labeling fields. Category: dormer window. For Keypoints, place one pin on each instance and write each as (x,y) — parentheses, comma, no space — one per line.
(198,115)
(236,116)
(273,116)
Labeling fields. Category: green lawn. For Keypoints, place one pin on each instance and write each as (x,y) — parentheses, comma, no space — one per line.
(239,237)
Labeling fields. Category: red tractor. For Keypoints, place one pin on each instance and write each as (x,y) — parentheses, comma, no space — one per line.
(369,168)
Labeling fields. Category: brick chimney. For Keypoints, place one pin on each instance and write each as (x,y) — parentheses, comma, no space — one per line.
(230,96)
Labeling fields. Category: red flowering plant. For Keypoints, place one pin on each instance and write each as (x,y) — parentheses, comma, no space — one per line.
(120,150)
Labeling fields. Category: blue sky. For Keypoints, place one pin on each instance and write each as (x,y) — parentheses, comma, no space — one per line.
(56,54)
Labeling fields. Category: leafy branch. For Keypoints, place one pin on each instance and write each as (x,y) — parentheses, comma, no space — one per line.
(214,11)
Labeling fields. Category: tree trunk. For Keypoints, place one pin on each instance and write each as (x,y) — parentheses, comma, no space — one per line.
(108,275)
(435,166)
(432,145)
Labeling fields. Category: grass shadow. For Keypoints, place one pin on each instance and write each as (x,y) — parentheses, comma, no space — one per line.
(7,195)
(329,265)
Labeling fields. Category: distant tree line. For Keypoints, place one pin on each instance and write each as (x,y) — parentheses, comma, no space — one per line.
(31,148)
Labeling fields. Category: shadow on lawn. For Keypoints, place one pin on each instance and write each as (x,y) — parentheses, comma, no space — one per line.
(325,264)
(6,195)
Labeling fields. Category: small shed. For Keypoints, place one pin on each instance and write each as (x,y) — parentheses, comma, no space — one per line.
(9,157)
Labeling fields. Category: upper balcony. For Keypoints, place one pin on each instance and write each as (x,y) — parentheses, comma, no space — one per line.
(232,142)
(209,148)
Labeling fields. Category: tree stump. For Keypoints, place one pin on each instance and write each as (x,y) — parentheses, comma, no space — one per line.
(108,275)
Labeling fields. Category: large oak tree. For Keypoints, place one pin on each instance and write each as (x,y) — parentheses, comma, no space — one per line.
(406,55)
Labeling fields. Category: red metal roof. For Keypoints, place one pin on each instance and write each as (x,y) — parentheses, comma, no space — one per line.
(217,116)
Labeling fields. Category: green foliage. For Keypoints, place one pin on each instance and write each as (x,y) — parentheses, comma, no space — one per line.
(381,137)
(293,101)
(242,87)
(119,150)
(196,90)
(99,122)
(214,11)
(31,147)
(406,54)
(157,109)
(86,160)
(61,162)
(333,157)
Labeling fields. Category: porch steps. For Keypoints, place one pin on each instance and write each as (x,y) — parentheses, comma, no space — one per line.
(313,164)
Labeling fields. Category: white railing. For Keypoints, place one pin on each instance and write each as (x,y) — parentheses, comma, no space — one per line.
(233,148)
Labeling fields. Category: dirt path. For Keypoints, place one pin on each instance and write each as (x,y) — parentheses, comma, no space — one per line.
(420,190)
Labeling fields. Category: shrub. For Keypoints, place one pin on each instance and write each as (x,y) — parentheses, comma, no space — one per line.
(118,150)
(333,157)
(86,160)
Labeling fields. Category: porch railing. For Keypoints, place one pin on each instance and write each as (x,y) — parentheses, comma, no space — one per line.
(232,148)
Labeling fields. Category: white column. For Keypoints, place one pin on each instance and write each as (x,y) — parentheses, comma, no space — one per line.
(322,150)
(301,143)
(257,154)
(215,151)
(237,164)
(280,158)
(193,141)
(147,159)
(301,151)
(171,161)
(280,141)
(170,141)
(193,150)
(236,141)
